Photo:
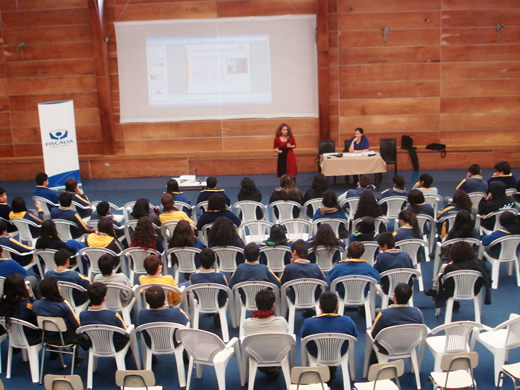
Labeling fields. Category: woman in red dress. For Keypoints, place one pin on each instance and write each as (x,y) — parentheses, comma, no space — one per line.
(284,144)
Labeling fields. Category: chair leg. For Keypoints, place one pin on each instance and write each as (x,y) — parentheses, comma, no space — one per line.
(500,358)
(220,369)
(190,371)
(34,364)
(252,373)
(415,366)
(478,306)
(292,314)
(517,270)
(286,370)
(495,271)
(224,324)
(41,368)
(449,310)
(368,350)
(346,374)
(180,365)
(9,361)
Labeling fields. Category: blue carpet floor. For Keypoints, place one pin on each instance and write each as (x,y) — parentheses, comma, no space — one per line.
(120,191)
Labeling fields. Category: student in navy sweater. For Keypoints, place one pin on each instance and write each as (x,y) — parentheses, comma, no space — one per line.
(207,274)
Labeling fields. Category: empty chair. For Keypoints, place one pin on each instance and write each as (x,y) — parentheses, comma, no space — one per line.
(63,382)
(162,343)
(136,379)
(93,255)
(459,371)
(355,287)
(310,378)
(394,205)
(508,254)
(227,257)
(400,341)
(395,276)
(247,209)
(305,297)
(329,353)
(255,231)
(275,256)
(285,210)
(455,340)
(464,290)
(380,376)
(412,247)
(101,337)
(205,348)
(500,340)
(268,350)
(17,339)
(204,298)
(297,229)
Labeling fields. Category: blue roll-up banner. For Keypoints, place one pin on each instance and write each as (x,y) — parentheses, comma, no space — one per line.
(60,147)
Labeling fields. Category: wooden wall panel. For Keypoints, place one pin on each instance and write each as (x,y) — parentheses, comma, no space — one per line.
(50,68)
(481,53)
(38,86)
(481,87)
(481,70)
(41,35)
(480,104)
(479,4)
(390,123)
(412,37)
(390,106)
(389,89)
(171,10)
(385,55)
(393,72)
(346,6)
(481,121)
(482,35)
(397,20)
(481,18)
(43,18)
(30,102)
(226,9)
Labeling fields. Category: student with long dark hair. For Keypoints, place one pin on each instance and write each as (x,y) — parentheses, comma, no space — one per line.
(417,204)
(248,191)
(142,209)
(183,237)
(49,240)
(20,211)
(320,185)
(145,236)
(368,206)
(324,237)
(460,201)
(409,227)
(276,237)
(287,191)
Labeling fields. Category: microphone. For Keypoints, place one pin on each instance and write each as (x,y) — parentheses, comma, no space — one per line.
(288,137)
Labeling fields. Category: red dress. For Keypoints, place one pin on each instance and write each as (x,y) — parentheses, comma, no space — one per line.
(286,159)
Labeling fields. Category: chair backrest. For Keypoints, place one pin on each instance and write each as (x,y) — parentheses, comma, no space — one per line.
(377,223)
(476,243)
(44,203)
(250,289)
(326,146)
(394,205)
(127,210)
(508,247)
(449,220)
(52,324)
(464,281)
(135,258)
(310,375)
(459,361)
(275,256)
(457,335)
(334,223)
(398,275)
(17,338)
(411,247)
(382,371)
(424,221)
(255,231)
(167,229)
(67,291)
(354,286)
(101,337)
(497,214)
(297,229)
(227,257)
(304,291)
(205,296)
(401,339)
(135,379)
(141,290)
(63,382)
(114,296)
(201,207)
(204,233)
(268,348)
(329,346)
(7,251)
(352,204)
(315,204)
(248,209)
(475,198)
(2,281)
(510,191)
(185,258)
(285,209)
(47,256)
(129,228)
(434,201)
(325,256)
(202,345)
(369,254)
(161,335)
(63,227)
(93,254)
(388,150)
(23,226)
(512,339)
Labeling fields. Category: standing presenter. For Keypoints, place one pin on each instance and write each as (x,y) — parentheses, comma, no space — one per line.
(284,144)
(359,143)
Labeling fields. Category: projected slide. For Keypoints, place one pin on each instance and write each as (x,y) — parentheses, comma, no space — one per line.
(208,70)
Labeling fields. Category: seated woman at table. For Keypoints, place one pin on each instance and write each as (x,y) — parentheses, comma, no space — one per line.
(359,143)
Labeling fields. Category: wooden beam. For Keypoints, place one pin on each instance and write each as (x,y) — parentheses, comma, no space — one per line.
(322,23)
(102,79)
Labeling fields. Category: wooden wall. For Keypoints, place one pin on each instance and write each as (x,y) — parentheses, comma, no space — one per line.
(443,75)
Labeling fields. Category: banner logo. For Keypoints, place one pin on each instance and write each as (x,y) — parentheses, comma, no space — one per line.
(58,134)
(59,138)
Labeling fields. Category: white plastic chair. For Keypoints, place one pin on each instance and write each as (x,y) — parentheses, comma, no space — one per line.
(304,297)
(249,290)
(129,228)
(459,371)
(7,252)
(351,204)
(248,209)
(500,340)
(285,210)
(205,348)
(139,292)
(329,353)
(440,247)
(67,292)
(447,221)
(275,256)
(127,210)
(255,231)
(475,198)
(511,191)
(23,226)
(45,203)
(371,248)
(47,257)
(17,339)
(101,337)
(183,206)
(335,224)
(200,208)
(167,229)
(93,254)
(396,276)
(161,343)
(354,287)
(508,254)
(380,375)
(394,205)
(412,247)
(456,339)
(136,379)
(268,350)
(203,298)
(185,260)
(400,342)
(133,258)
(434,201)
(464,291)
(428,226)
(63,228)
(377,223)
(496,216)
(114,300)
(325,257)
(315,204)
(204,232)
(227,257)
(4,336)
(297,229)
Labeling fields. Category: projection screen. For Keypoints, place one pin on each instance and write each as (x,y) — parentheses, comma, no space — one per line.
(199,69)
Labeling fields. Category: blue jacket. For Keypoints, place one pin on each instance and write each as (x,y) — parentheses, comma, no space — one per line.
(394,191)
(253,271)
(391,259)
(103,316)
(206,194)
(351,267)
(84,202)
(396,315)
(211,277)
(211,216)
(9,266)
(509,180)
(301,269)
(328,323)
(47,308)
(47,193)
(162,314)
(73,216)
(473,184)
(18,246)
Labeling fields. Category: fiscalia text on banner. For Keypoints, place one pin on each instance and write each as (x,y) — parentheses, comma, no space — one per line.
(60,147)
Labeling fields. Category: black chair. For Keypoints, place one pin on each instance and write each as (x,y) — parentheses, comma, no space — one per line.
(388,150)
(327,146)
